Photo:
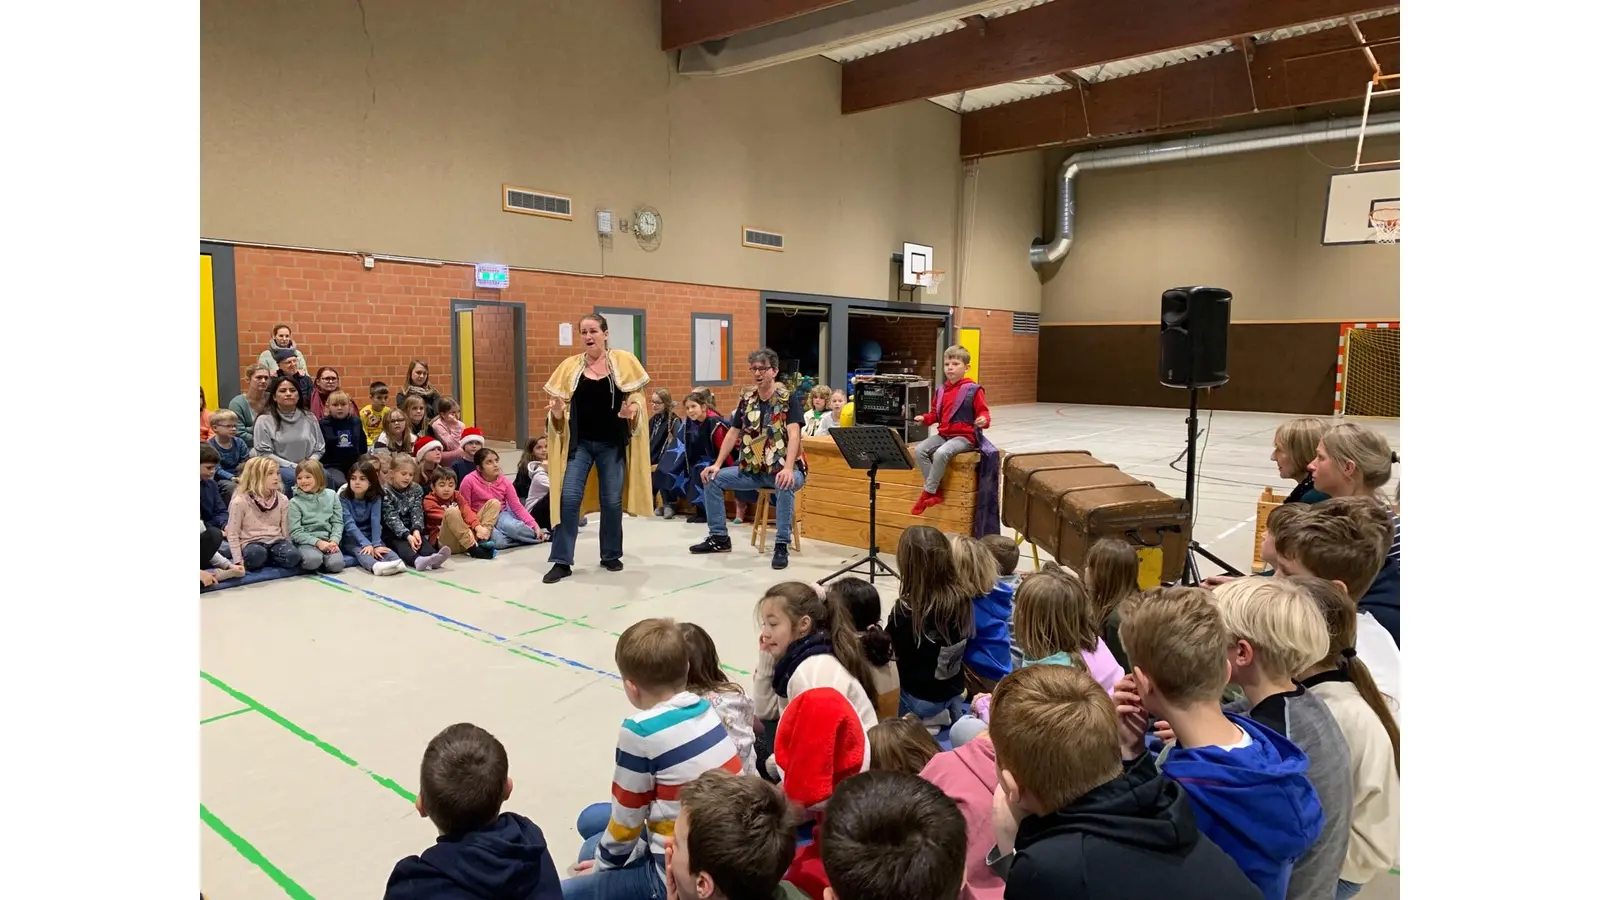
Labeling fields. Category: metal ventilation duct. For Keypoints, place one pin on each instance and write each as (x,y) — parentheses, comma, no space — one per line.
(1041,255)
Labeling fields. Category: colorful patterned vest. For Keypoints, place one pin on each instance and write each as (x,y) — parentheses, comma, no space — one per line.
(761,450)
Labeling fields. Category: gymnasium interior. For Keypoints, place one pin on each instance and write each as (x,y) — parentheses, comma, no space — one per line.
(856,184)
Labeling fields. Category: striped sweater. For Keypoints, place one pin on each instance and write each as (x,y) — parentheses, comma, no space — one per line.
(659,750)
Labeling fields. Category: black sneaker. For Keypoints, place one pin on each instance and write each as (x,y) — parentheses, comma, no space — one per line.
(714,543)
(611,565)
(481,550)
(780,555)
(557,572)
(696,519)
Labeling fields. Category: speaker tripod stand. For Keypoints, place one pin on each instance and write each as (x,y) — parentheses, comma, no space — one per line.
(1191,566)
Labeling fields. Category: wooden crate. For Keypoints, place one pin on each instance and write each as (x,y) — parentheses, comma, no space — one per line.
(834,502)
(1264,507)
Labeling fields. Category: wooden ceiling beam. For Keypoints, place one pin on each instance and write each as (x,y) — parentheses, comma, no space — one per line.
(688,22)
(1322,67)
(1066,35)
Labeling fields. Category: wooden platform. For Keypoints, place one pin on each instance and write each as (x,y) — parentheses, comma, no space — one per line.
(833,504)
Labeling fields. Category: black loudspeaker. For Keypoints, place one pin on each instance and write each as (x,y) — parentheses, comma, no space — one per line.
(1194,337)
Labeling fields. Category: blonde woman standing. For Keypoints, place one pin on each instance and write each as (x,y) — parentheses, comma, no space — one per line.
(599,445)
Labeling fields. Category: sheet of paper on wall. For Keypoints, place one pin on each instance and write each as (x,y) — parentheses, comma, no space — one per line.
(710,353)
(564,334)
(622,332)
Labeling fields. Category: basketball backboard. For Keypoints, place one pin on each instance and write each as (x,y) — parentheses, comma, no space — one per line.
(1355,200)
(914,258)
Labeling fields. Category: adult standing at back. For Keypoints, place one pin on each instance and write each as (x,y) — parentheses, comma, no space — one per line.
(594,427)
(1355,461)
(253,402)
(282,339)
(417,385)
(764,436)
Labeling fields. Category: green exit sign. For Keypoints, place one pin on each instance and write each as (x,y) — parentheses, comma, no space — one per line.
(492,276)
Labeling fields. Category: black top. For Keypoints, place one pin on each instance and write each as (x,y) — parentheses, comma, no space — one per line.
(796,415)
(506,858)
(1132,838)
(594,412)
(929,666)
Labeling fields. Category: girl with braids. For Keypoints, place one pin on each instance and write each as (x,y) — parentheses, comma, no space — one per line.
(1342,682)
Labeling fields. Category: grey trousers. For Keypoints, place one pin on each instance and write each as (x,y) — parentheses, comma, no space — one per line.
(933,454)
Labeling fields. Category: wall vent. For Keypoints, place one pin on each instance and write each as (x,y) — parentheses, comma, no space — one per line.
(763,240)
(532,202)
(1024,323)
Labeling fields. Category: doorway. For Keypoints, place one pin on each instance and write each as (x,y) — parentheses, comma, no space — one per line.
(489,359)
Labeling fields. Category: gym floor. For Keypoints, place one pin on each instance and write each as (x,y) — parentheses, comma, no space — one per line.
(318,694)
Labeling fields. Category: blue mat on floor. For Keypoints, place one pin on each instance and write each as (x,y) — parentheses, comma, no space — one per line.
(271,573)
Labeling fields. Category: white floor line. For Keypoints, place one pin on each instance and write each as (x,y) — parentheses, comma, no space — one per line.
(1236,526)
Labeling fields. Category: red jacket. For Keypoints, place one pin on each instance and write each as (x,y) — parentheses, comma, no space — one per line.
(433,513)
(952,393)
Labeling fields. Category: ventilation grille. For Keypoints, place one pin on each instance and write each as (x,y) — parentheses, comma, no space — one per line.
(1024,323)
(535,203)
(763,240)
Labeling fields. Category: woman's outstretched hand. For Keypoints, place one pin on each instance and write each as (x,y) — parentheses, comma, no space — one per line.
(557,407)
(629,410)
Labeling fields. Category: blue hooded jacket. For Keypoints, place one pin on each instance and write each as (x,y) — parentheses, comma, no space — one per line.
(506,860)
(1255,802)
(989,648)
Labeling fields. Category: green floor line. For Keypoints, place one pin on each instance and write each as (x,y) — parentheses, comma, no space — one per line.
(250,853)
(307,736)
(227,715)
(329,584)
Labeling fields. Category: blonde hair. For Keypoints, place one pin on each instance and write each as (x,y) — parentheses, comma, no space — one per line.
(223,417)
(1054,729)
(1176,638)
(958,352)
(1280,621)
(1053,615)
(1348,443)
(820,392)
(336,397)
(1111,573)
(259,477)
(976,570)
(1299,439)
(398,461)
(317,474)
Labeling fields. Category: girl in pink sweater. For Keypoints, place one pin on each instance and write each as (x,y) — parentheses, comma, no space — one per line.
(258,518)
(448,429)
(514,525)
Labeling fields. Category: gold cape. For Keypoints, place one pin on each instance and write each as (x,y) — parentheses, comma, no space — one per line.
(629,377)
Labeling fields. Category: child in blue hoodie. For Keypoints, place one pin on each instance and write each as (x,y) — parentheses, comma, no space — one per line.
(482,853)
(988,656)
(213,509)
(1246,783)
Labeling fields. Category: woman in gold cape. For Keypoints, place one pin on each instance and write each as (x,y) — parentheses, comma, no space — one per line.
(627,381)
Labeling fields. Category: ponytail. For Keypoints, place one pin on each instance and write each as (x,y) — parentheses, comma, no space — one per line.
(1361,677)
(877,645)
(829,615)
(1340,612)
(856,601)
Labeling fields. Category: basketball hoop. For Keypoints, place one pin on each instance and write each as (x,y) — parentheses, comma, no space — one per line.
(930,279)
(1385,224)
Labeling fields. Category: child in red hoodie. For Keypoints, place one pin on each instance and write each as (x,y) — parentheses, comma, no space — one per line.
(961,415)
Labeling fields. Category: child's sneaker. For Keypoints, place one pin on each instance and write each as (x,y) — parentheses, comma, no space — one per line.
(921,504)
(933,500)
(481,550)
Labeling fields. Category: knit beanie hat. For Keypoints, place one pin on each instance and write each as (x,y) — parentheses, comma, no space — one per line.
(282,353)
(471,434)
(424,444)
(820,743)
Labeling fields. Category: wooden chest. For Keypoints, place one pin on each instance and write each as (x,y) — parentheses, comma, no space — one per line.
(1066,500)
(833,504)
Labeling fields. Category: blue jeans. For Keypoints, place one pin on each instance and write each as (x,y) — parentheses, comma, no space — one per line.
(1346,889)
(927,709)
(586,455)
(638,881)
(509,531)
(735,479)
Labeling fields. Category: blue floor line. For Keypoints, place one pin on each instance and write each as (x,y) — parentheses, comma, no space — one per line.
(412,607)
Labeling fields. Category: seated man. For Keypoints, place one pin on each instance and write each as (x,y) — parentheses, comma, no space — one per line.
(764,433)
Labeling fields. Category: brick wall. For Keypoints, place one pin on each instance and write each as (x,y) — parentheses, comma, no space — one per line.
(369,323)
(1009,362)
(494,381)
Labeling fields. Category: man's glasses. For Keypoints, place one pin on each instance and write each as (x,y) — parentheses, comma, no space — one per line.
(759,369)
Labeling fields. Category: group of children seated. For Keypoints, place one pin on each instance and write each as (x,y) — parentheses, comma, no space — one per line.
(386,487)
(1110,742)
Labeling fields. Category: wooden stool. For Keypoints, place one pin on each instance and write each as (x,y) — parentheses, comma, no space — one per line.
(758,531)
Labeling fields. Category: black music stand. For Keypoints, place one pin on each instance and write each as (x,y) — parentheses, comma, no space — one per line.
(871,447)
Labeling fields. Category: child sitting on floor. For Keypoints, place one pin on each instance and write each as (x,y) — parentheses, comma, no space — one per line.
(733,839)
(1111,573)
(471,443)
(930,625)
(361,501)
(1055,626)
(892,836)
(232,450)
(404,524)
(316,521)
(1245,782)
(988,656)
(673,738)
(213,509)
(859,599)
(1055,735)
(258,518)
(450,430)
(734,707)
(901,745)
(960,416)
(481,851)
(377,407)
(452,523)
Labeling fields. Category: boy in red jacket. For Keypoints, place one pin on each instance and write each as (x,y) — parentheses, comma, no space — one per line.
(961,414)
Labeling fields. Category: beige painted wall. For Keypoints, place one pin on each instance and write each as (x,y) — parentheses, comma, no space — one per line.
(1251,223)
(555,95)
(1010,195)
